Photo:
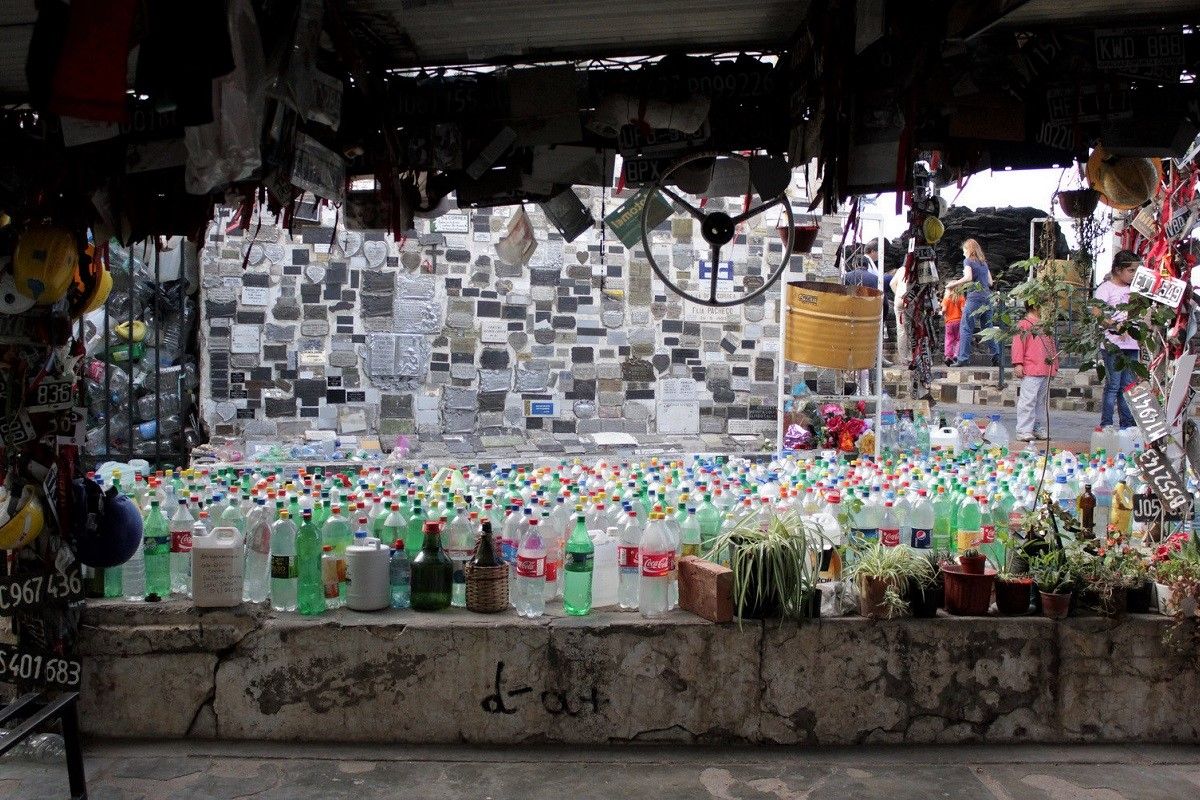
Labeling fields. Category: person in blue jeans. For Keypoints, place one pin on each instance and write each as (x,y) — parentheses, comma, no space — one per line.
(1121,350)
(977,312)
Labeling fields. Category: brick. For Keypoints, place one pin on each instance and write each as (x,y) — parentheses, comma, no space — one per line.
(706,589)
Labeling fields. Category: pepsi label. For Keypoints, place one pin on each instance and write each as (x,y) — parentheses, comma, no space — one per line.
(922,538)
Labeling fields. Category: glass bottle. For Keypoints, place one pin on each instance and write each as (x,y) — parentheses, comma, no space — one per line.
(432,572)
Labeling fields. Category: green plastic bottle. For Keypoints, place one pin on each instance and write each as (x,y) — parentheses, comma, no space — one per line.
(943,512)
(709,518)
(157,539)
(970,525)
(311,598)
(577,584)
(414,535)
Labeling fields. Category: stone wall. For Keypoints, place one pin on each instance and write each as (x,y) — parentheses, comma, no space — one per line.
(435,335)
(165,670)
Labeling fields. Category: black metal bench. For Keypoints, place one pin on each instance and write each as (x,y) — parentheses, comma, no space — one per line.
(35,708)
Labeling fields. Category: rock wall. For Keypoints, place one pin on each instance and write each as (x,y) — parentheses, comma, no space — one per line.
(166,670)
(435,336)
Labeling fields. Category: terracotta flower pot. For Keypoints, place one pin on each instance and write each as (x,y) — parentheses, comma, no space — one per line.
(1013,595)
(973,565)
(968,594)
(870,598)
(926,601)
(803,237)
(1055,606)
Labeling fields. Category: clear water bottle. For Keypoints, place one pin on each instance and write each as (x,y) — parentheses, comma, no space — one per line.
(285,575)
(133,575)
(182,530)
(258,553)
(400,576)
(530,587)
(459,544)
(628,565)
(656,553)
(996,435)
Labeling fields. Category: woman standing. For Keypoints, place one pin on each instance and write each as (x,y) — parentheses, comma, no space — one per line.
(977,312)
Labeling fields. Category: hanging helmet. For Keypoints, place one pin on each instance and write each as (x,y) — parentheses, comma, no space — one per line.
(12,301)
(134,331)
(933,230)
(22,525)
(44,264)
(106,524)
(90,285)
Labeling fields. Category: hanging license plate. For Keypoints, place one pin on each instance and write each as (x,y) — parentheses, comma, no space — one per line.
(18,665)
(40,588)
(53,395)
(1169,291)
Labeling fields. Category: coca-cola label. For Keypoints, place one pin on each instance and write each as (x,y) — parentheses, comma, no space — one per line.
(627,556)
(1014,520)
(657,565)
(922,538)
(181,541)
(531,567)
(988,534)
(890,537)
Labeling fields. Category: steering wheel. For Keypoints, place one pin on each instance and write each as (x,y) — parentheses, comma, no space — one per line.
(717,228)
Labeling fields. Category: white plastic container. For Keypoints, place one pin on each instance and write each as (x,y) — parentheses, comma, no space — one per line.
(217,569)
(946,439)
(1105,439)
(604,569)
(367,569)
(1130,442)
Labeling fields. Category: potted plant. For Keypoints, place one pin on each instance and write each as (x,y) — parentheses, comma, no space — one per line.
(1014,593)
(775,565)
(972,561)
(1176,568)
(882,575)
(927,593)
(1053,577)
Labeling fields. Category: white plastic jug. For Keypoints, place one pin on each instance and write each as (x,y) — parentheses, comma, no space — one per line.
(367,570)
(947,439)
(217,569)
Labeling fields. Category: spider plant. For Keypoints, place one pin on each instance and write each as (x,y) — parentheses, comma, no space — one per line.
(893,566)
(775,562)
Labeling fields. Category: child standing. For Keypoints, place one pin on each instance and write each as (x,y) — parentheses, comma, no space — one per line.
(952,308)
(1035,362)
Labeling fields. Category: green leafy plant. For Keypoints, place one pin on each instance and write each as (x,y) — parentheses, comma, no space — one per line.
(894,566)
(775,565)
(1052,573)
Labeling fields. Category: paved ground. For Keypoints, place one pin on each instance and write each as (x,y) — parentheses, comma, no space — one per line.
(1066,427)
(179,771)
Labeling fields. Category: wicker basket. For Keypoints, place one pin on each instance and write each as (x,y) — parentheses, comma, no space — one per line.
(487,589)
(833,326)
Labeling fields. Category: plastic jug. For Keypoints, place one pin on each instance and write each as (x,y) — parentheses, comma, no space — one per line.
(946,439)
(367,569)
(1129,441)
(217,569)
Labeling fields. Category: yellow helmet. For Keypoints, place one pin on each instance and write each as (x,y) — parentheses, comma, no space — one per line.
(25,524)
(44,264)
(933,230)
(131,331)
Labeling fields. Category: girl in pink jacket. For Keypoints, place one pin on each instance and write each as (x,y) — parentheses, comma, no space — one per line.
(1035,362)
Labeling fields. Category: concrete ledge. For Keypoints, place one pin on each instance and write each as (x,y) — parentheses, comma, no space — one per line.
(167,670)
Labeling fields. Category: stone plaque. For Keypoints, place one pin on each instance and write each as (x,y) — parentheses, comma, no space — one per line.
(637,369)
(493,331)
(245,339)
(494,380)
(256,296)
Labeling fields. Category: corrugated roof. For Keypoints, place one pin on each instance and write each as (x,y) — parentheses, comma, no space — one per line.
(1101,12)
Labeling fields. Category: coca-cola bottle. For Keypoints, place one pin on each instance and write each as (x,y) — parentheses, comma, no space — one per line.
(628,565)
(530,597)
(656,552)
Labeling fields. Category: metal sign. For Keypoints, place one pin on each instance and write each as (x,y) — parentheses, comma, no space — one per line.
(724,270)
(1163,479)
(540,408)
(1148,508)
(39,588)
(1168,291)
(1156,52)
(1146,412)
(18,665)
(626,220)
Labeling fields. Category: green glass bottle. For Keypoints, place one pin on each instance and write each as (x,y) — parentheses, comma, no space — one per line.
(311,598)
(432,572)
(577,583)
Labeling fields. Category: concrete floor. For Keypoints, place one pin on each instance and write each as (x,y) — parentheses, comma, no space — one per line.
(216,771)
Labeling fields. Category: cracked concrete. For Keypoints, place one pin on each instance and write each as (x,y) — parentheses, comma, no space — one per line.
(167,670)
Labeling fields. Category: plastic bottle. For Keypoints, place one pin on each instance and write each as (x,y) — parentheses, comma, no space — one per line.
(922,522)
(156,547)
(1121,517)
(329,576)
(628,564)
(578,567)
(460,541)
(530,594)
(284,574)
(656,552)
(258,553)
(310,586)
(996,434)
(337,533)
(970,525)
(182,523)
(1062,495)
(400,575)
(889,526)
